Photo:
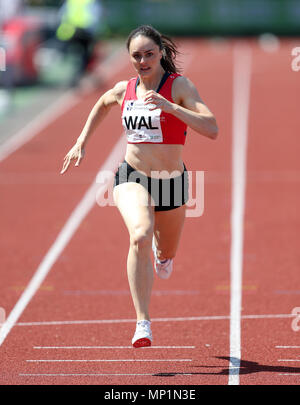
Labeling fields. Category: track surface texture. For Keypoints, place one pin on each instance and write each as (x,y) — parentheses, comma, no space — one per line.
(76,324)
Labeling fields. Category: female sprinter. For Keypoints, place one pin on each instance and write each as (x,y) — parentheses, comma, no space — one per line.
(150,188)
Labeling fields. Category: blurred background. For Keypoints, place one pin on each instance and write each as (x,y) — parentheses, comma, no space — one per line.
(47,46)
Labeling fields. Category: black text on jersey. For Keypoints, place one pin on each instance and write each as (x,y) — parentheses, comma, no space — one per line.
(138,122)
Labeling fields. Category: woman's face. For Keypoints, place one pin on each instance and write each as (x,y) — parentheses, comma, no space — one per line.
(145,55)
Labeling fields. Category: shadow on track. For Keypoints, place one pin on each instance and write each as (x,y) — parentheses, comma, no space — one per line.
(246,367)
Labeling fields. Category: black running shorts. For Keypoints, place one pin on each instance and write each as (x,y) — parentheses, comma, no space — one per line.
(167,194)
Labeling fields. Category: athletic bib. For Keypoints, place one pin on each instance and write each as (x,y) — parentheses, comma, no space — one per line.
(141,124)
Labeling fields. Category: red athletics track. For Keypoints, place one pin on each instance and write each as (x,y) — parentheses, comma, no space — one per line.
(88,281)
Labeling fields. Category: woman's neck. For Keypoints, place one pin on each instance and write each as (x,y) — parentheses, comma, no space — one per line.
(151,82)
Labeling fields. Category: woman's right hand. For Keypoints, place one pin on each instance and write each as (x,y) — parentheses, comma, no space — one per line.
(77,153)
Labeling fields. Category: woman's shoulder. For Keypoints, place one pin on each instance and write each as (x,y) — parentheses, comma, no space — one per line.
(119,90)
(181,80)
(120,87)
(183,86)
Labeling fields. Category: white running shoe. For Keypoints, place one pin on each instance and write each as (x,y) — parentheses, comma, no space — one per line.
(163,268)
(143,334)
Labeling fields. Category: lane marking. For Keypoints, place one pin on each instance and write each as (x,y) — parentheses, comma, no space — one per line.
(67,232)
(287,347)
(108,361)
(101,375)
(127,292)
(240,110)
(270,316)
(295,374)
(183,319)
(111,347)
(289,360)
(59,107)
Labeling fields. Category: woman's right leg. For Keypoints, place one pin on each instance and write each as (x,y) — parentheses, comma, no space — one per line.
(132,200)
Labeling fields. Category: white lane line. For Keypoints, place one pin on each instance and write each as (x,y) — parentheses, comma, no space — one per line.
(109,67)
(112,347)
(67,232)
(241,100)
(106,361)
(126,292)
(104,321)
(293,374)
(289,360)
(102,375)
(182,319)
(287,347)
(267,316)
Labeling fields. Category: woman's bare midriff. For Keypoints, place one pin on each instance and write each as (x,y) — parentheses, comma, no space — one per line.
(155,160)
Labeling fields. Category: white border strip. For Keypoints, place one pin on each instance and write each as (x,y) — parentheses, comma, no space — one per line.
(241,100)
(67,232)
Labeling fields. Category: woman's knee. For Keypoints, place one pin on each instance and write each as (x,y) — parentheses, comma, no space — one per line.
(141,237)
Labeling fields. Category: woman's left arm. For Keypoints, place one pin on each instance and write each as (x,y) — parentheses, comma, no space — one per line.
(188,107)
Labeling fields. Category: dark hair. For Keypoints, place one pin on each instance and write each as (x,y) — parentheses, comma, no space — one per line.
(165,44)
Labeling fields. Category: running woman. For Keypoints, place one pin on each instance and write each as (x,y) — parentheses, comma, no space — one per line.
(150,188)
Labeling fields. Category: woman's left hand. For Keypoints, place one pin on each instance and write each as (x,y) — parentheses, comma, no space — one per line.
(158,101)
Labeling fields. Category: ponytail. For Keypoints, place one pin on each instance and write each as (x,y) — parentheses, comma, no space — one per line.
(170,53)
(168,47)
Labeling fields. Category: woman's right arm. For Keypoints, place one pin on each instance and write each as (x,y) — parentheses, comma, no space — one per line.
(112,97)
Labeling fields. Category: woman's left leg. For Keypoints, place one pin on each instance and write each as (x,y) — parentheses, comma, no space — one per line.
(130,199)
(167,231)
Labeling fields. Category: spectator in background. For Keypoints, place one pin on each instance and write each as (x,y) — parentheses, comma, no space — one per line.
(80,25)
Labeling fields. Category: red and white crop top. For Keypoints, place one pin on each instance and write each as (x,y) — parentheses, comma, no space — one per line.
(144,126)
